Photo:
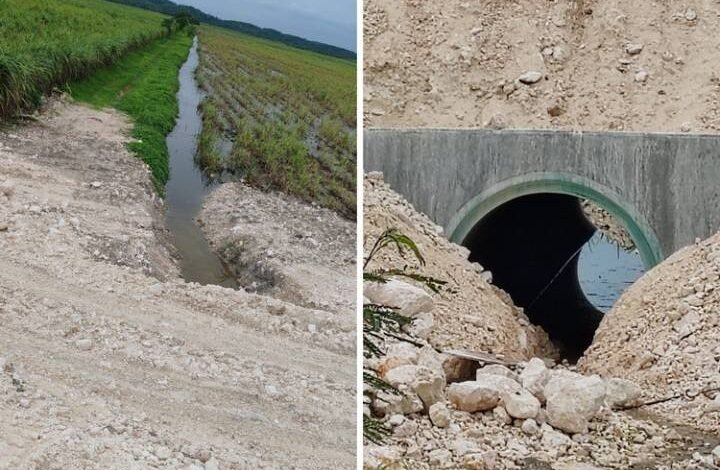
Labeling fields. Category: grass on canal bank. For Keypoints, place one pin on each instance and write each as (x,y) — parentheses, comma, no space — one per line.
(47,43)
(144,85)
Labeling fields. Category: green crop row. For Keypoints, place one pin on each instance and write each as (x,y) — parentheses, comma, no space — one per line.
(290,115)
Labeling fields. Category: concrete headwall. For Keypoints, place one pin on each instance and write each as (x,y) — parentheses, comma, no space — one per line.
(664,187)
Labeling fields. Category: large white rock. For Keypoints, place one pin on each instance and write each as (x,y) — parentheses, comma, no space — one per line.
(427,384)
(534,377)
(497,369)
(473,396)
(408,299)
(620,392)
(498,382)
(402,375)
(573,400)
(521,404)
(398,354)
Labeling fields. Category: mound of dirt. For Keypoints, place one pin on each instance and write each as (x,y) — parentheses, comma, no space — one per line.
(528,413)
(470,313)
(109,360)
(591,65)
(663,334)
(283,247)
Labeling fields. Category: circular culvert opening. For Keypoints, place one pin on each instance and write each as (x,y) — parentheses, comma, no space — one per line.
(607,266)
(546,251)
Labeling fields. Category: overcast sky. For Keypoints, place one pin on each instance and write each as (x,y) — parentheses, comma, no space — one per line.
(329,21)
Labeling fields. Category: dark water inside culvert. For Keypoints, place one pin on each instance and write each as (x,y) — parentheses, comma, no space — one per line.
(545,253)
(187,187)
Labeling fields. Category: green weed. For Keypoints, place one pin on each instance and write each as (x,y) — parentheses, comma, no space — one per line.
(144,85)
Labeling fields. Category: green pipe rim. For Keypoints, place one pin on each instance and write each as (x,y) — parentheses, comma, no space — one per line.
(558,183)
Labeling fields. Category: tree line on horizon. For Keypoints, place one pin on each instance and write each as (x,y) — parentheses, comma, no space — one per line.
(170,8)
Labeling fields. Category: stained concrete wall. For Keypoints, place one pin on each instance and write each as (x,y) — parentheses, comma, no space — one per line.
(670,182)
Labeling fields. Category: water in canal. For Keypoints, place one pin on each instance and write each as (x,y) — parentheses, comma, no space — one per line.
(187,186)
(605,271)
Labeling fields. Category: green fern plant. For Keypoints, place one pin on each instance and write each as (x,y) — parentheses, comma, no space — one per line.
(381,322)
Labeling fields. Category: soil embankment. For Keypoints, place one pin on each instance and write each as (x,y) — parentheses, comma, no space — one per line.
(471,313)
(108,359)
(662,333)
(586,65)
(533,413)
(283,247)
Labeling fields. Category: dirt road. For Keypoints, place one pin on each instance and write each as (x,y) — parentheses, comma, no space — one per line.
(109,360)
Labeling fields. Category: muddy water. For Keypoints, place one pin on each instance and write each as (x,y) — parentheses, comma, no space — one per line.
(187,187)
(605,271)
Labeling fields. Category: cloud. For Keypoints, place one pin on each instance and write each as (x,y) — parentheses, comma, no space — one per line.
(329,21)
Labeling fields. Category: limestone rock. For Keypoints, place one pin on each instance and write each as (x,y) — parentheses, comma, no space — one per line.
(530,427)
(398,354)
(534,377)
(84,344)
(716,455)
(497,369)
(521,404)
(429,386)
(641,76)
(429,358)
(620,392)
(573,400)
(407,429)
(473,396)
(633,49)
(392,403)
(422,325)
(408,299)
(552,439)
(530,77)
(502,415)
(498,382)
(439,415)
(402,375)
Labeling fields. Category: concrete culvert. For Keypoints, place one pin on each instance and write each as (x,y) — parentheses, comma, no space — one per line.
(532,245)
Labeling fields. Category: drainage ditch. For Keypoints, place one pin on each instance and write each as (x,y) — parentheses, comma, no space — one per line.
(187,186)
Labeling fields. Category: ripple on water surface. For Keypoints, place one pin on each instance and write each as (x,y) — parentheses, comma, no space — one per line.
(606,270)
